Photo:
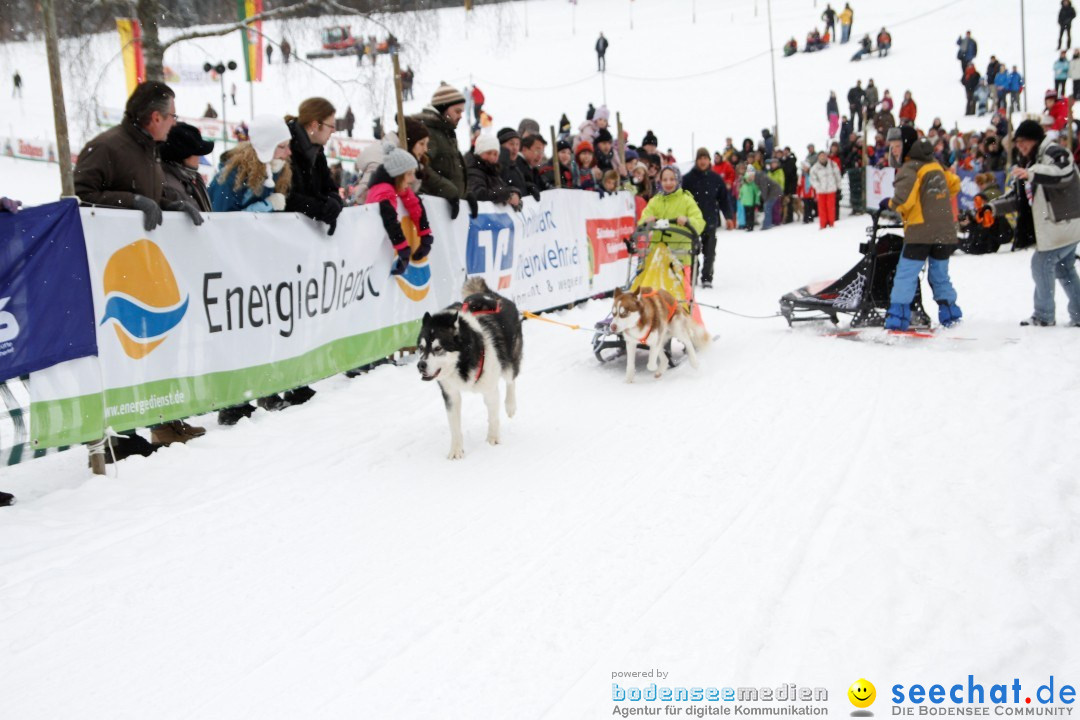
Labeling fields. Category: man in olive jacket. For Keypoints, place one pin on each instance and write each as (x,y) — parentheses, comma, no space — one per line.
(922,194)
(446,169)
(121,167)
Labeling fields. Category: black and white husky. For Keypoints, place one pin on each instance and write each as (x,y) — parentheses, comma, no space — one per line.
(469,346)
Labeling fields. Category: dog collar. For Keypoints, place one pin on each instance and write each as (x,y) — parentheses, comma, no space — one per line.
(465,308)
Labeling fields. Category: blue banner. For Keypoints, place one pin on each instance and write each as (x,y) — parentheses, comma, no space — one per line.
(46,307)
(969,188)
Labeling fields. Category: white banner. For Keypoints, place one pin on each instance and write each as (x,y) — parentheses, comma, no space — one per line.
(880,186)
(191,319)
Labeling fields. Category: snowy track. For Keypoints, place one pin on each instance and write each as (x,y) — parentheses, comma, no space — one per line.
(797,504)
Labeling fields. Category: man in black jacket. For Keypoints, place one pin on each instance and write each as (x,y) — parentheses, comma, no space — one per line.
(711,194)
(601,51)
(1066,15)
(790,166)
(512,166)
(530,159)
(856,97)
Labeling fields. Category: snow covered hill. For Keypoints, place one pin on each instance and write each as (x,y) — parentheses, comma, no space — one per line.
(802,509)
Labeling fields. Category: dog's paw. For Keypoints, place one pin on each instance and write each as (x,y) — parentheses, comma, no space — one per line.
(511,409)
(493,439)
(456,453)
(629,379)
(651,366)
(658,374)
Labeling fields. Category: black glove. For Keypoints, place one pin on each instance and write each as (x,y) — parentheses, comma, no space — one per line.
(331,210)
(150,210)
(185,207)
(884,204)
(474,207)
(455,207)
(536,193)
(424,249)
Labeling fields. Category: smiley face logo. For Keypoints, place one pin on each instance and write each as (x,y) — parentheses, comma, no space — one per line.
(862,693)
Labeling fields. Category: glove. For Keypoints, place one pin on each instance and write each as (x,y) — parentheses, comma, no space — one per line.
(150,210)
(10,205)
(884,204)
(403,253)
(455,208)
(424,249)
(187,208)
(331,226)
(474,207)
(331,210)
(536,193)
(277,201)
(984,214)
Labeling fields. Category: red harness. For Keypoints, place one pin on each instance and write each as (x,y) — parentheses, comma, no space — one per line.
(672,309)
(464,309)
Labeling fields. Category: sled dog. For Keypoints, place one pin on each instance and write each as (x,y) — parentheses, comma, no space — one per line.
(652,317)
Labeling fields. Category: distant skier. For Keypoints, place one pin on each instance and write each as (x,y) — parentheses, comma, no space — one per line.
(829,16)
(601,50)
(232,93)
(16,85)
(1066,15)
(269,54)
(846,17)
(286,50)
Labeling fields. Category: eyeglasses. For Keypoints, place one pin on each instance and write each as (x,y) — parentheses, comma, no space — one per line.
(330,127)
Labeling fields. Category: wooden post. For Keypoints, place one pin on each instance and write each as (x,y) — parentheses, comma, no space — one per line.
(400,107)
(63,147)
(622,141)
(555,158)
(865,160)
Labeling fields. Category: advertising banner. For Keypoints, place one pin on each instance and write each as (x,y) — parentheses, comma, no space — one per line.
(46,315)
(189,320)
(969,188)
(880,186)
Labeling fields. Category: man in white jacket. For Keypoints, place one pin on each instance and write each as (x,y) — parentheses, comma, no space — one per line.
(825,179)
(1047,180)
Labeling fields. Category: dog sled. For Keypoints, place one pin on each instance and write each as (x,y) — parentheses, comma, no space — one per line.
(863,291)
(670,264)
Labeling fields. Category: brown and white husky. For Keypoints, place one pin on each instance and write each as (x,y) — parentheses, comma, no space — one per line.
(652,317)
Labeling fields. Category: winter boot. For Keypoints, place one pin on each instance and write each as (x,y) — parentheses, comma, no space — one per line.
(173,432)
(6,499)
(272,403)
(898,317)
(234,414)
(948,313)
(1037,322)
(299,396)
(125,447)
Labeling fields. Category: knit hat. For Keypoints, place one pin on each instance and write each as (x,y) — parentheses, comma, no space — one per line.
(507,134)
(266,132)
(1051,94)
(893,134)
(398,162)
(184,141)
(909,136)
(563,145)
(632,155)
(486,142)
(415,131)
(445,97)
(750,171)
(528,126)
(602,113)
(1030,130)
(649,139)
(703,153)
(583,146)
(603,136)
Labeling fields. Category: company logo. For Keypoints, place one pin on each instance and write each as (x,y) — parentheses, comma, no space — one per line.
(415,282)
(9,325)
(490,248)
(862,694)
(142,299)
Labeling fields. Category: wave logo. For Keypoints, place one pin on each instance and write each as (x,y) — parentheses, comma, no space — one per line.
(490,248)
(142,299)
(415,282)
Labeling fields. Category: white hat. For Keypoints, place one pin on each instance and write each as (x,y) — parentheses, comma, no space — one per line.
(266,132)
(486,142)
(398,162)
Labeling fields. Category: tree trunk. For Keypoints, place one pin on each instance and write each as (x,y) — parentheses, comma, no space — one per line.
(149,12)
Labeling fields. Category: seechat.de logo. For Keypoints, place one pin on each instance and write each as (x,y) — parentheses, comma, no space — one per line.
(415,282)
(142,299)
(862,695)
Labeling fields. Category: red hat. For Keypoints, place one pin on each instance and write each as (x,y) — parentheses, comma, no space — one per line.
(583,146)
(1051,94)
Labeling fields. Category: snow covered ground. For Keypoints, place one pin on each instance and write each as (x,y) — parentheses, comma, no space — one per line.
(801,509)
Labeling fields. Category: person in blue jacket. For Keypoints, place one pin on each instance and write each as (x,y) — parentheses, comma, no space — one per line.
(1001,85)
(1016,86)
(255,176)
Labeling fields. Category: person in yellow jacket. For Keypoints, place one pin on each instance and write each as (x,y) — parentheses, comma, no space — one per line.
(677,206)
(923,195)
(846,16)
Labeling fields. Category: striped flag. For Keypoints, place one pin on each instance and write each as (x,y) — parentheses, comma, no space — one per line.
(252,38)
(131,46)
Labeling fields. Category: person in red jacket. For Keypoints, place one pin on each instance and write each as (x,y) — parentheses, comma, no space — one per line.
(1058,109)
(908,110)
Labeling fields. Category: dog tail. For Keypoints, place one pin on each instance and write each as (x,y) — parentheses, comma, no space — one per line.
(698,335)
(474,286)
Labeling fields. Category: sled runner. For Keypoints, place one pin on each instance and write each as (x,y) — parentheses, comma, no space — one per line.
(670,264)
(863,291)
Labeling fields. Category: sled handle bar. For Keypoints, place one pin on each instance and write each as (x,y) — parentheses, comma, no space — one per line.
(675,229)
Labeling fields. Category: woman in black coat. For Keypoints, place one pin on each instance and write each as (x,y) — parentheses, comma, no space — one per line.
(314,192)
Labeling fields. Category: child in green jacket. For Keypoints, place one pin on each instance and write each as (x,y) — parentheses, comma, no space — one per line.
(749,197)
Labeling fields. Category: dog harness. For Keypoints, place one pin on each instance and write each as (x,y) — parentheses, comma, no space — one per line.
(671,308)
(465,308)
